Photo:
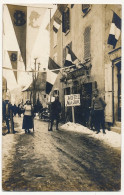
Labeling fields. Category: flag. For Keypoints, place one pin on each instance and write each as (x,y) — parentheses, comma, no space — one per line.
(35,17)
(13,55)
(50,80)
(52,65)
(26,22)
(56,24)
(41,81)
(115,30)
(18,16)
(70,57)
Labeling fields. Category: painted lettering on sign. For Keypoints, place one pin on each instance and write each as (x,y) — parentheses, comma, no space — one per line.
(72,100)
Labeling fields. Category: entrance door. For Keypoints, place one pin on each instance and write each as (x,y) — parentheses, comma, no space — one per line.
(119,90)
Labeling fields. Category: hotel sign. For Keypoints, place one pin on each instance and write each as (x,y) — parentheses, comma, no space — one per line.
(72,100)
(77,73)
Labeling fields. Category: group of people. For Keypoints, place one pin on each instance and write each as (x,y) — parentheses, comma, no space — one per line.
(96,119)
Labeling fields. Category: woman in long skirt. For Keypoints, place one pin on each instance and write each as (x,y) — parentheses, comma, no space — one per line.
(28,117)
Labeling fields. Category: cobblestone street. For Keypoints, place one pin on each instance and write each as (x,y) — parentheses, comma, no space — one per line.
(57,161)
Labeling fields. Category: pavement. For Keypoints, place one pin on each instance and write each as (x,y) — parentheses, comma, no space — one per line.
(111,138)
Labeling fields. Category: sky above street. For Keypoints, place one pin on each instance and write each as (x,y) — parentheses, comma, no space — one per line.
(39,40)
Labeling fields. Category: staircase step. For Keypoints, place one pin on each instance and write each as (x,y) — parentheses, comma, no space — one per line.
(116,129)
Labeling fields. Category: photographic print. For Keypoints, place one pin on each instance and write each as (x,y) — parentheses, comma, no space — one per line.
(61,97)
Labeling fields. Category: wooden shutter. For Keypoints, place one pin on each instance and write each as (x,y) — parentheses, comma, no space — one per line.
(63,22)
(108,93)
(87,43)
(66,21)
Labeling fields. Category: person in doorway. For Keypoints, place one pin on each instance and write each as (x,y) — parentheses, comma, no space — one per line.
(28,117)
(55,110)
(98,106)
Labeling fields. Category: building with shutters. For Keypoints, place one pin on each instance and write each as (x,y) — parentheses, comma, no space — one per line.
(80,39)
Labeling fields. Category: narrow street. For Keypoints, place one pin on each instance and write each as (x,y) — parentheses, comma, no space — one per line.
(57,161)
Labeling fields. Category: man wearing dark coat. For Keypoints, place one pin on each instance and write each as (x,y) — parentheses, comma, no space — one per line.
(55,110)
(6,113)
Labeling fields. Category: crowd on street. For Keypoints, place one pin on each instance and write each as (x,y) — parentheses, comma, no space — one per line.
(96,118)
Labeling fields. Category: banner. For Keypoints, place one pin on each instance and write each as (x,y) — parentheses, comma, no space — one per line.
(13,55)
(35,17)
(18,16)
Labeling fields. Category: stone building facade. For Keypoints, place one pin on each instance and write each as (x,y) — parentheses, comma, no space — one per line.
(86,33)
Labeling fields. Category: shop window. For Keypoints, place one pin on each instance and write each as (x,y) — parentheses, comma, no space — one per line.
(86,8)
(66,21)
(87,38)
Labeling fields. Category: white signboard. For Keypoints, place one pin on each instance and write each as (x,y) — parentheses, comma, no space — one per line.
(72,100)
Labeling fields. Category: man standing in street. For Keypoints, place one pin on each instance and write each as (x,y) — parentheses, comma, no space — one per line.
(6,113)
(55,110)
(98,105)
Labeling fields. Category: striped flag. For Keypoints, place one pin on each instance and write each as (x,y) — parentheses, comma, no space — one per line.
(56,24)
(50,80)
(70,57)
(115,30)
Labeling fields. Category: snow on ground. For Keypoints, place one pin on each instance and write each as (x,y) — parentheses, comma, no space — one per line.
(111,138)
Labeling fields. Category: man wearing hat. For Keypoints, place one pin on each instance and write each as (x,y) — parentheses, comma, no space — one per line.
(6,112)
(98,106)
(55,110)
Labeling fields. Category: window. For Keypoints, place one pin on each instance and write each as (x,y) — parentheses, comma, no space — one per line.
(54,38)
(87,43)
(66,21)
(86,8)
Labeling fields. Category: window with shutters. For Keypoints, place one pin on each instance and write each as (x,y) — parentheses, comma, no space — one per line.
(65,51)
(66,21)
(86,8)
(87,38)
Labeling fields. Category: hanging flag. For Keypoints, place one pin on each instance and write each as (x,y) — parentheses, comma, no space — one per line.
(52,65)
(56,24)
(41,81)
(13,58)
(50,80)
(70,57)
(115,30)
(35,17)
(18,16)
